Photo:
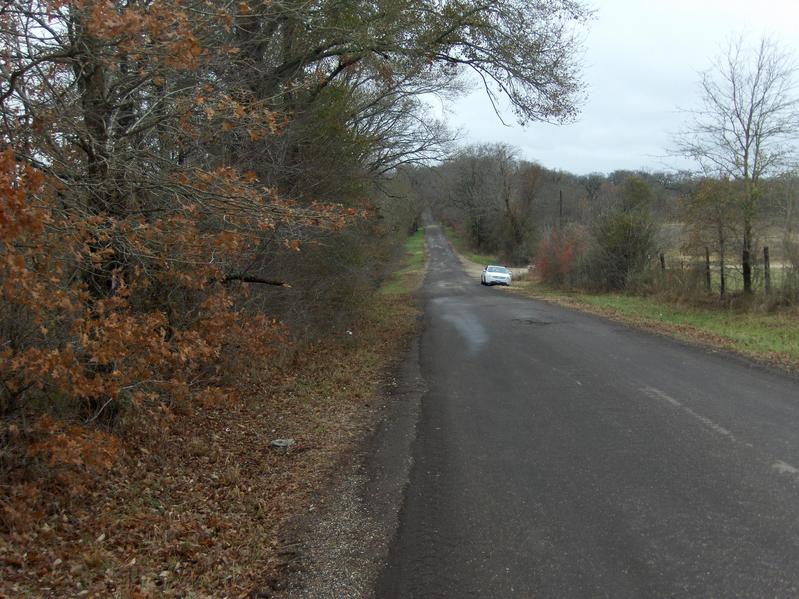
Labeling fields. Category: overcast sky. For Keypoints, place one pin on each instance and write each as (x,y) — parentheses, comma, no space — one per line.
(642,63)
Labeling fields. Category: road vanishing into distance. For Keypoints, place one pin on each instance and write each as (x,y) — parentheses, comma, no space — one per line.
(559,454)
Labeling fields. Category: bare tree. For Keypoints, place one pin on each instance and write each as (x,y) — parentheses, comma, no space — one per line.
(474,192)
(712,209)
(747,125)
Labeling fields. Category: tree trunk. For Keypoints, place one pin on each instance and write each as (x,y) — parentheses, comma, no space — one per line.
(766,270)
(722,274)
(746,258)
(91,77)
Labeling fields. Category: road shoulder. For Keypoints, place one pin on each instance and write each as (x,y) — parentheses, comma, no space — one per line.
(345,542)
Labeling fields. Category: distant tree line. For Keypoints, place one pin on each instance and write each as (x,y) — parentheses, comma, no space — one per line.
(627,230)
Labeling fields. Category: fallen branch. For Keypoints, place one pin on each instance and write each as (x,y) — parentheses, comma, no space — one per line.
(249,279)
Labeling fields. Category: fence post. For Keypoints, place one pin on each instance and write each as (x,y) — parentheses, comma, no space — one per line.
(662,262)
(707,269)
(766,270)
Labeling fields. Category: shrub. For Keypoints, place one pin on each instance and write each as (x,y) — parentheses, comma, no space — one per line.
(558,251)
(622,247)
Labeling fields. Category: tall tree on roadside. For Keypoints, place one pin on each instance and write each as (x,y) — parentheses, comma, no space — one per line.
(746,126)
(624,238)
(713,210)
(369,64)
(473,192)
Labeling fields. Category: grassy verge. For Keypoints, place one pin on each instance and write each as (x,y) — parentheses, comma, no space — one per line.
(408,277)
(771,338)
(459,243)
(200,505)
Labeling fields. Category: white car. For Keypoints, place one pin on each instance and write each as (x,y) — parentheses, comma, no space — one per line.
(495,275)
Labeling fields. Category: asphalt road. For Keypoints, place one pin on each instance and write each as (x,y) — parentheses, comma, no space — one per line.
(562,455)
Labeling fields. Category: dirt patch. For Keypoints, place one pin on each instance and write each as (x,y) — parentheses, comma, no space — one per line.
(473,269)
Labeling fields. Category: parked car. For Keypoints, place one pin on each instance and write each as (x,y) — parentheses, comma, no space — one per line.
(495,275)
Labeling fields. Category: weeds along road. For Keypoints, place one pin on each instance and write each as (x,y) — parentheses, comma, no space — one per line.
(562,455)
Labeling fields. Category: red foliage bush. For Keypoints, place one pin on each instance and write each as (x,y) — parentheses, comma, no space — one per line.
(558,251)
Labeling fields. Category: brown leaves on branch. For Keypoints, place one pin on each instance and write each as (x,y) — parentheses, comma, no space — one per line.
(119,229)
(112,348)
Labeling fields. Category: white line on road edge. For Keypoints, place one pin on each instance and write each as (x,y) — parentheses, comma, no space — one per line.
(658,394)
(779,466)
(784,468)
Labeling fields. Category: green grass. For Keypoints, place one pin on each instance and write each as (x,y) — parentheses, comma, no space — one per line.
(458,241)
(407,278)
(772,337)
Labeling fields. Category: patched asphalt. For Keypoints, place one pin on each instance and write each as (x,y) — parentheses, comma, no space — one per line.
(558,454)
